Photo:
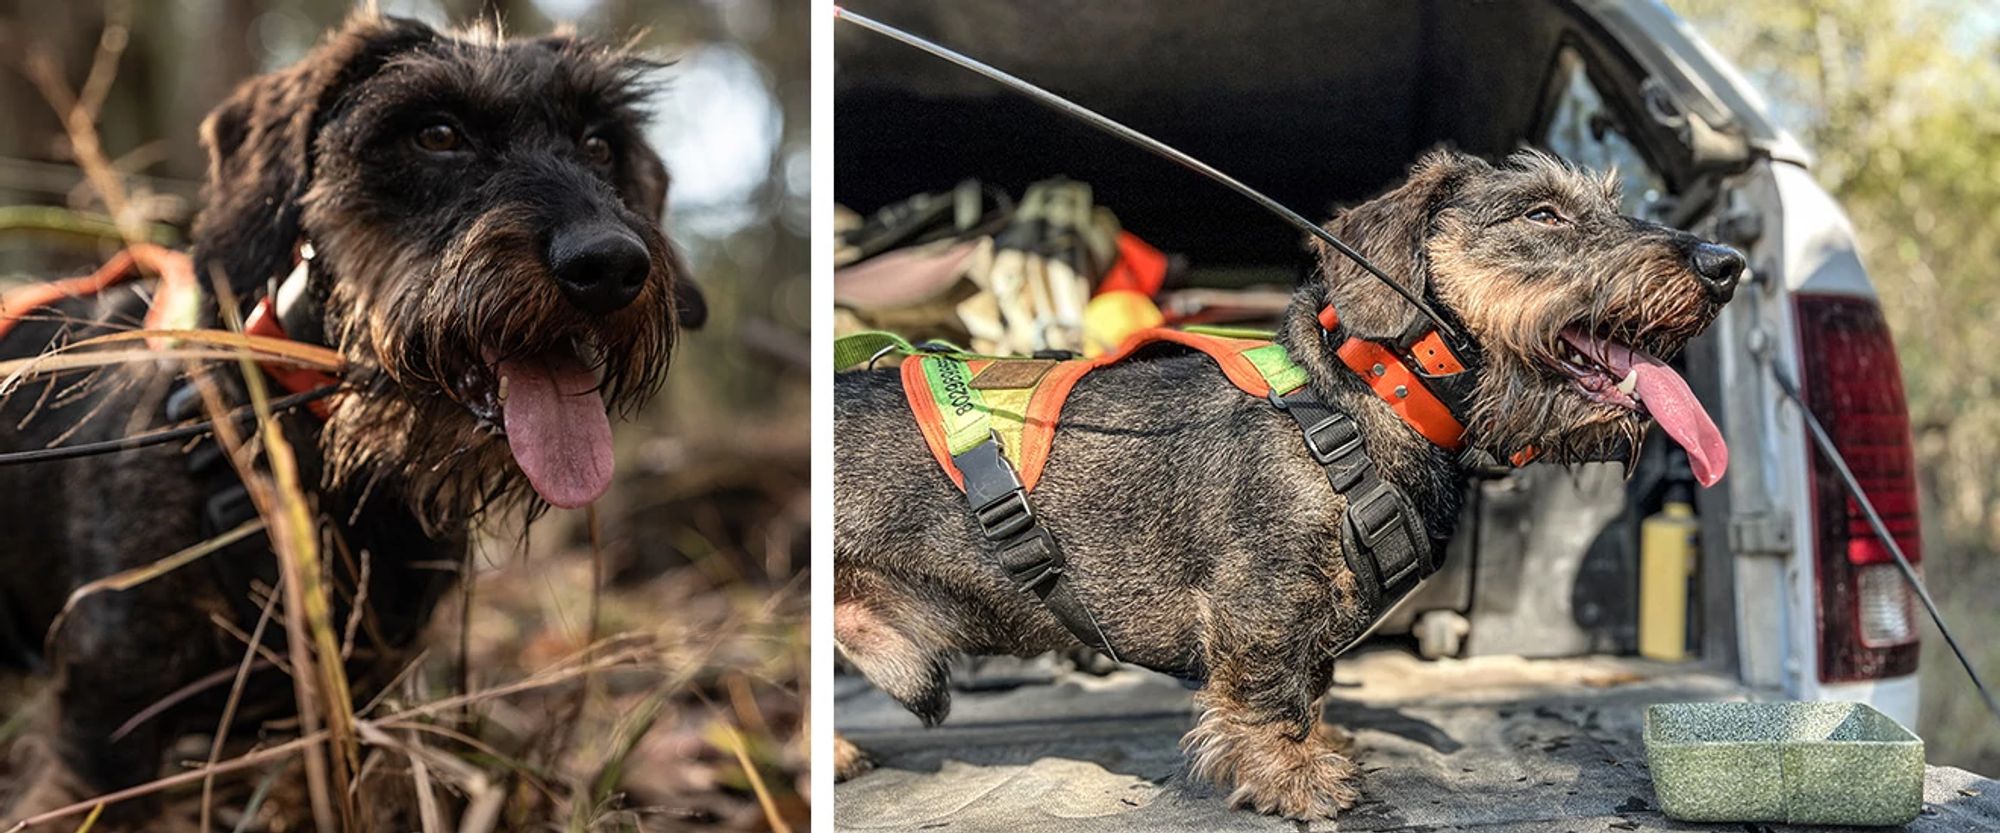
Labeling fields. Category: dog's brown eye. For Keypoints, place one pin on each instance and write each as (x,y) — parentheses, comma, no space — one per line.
(1546,216)
(597,149)
(439,138)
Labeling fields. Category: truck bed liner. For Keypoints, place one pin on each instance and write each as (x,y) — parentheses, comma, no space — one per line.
(1494,744)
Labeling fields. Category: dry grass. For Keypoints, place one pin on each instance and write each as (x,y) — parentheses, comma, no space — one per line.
(519,716)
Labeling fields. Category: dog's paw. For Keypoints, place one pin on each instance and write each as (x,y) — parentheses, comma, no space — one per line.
(1308,782)
(848,759)
(1272,772)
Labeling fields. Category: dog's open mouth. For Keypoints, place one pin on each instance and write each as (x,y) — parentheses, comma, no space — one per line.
(1612,373)
(550,408)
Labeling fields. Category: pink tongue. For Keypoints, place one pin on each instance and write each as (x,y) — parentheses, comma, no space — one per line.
(557,428)
(1665,395)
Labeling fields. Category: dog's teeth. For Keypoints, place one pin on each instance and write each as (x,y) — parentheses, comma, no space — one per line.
(502,393)
(1630,384)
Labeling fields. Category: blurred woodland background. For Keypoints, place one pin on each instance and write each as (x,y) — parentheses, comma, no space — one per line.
(704,538)
(1901,103)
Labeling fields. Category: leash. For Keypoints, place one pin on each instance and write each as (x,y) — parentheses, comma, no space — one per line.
(1424,374)
(240,415)
(1824,442)
(286,312)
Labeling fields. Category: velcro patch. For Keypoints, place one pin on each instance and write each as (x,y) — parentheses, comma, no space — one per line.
(1012,374)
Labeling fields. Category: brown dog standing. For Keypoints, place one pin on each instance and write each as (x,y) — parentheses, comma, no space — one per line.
(1202,537)
(482,219)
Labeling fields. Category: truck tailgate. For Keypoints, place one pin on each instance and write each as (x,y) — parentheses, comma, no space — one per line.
(1490,744)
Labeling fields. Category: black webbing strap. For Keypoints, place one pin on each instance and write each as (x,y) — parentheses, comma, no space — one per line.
(227,506)
(1027,551)
(1382,537)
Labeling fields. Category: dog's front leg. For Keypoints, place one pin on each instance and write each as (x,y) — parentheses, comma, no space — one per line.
(115,658)
(1260,729)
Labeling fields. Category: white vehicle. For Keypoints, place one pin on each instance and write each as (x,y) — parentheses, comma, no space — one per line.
(1319,104)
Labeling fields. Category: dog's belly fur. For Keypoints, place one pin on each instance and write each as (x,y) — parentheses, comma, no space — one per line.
(1189,512)
(74,521)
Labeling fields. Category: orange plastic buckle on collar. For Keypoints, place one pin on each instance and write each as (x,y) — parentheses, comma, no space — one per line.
(263,321)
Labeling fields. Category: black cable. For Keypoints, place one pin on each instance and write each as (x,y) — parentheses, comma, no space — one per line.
(1106,124)
(1825,443)
(1134,137)
(165,435)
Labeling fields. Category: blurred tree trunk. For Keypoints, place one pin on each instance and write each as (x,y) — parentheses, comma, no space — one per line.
(517,15)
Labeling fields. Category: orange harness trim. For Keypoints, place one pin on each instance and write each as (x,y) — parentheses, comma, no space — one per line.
(178,290)
(175,270)
(1045,404)
(1403,384)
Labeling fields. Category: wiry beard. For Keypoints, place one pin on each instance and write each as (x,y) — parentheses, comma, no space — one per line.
(420,413)
(1519,405)
(1523,402)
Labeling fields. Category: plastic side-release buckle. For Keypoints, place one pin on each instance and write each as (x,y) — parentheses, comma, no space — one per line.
(1000,504)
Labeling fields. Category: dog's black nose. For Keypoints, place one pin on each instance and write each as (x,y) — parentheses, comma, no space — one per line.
(1718,267)
(600,268)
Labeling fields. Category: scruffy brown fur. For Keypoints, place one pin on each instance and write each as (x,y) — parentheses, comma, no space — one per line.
(1199,532)
(530,224)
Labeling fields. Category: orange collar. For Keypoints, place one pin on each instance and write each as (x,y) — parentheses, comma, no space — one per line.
(1411,391)
(1406,392)
(263,321)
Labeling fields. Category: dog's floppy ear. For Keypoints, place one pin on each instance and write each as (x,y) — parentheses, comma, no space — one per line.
(645,185)
(260,146)
(645,188)
(1391,231)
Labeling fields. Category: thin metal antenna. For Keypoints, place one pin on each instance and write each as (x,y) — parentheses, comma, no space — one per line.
(1106,124)
(1824,442)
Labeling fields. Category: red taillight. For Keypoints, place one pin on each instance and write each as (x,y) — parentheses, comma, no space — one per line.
(1867,620)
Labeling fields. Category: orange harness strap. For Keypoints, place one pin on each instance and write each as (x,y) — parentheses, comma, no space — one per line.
(177,286)
(174,301)
(1045,410)
(1038,420)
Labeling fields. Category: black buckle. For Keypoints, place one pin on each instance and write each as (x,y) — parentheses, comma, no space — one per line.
(228,509)
(183,403)
(1034,562)
(1344,439)
(1000,503)
(1382,530)
(989,478)
(1005,516)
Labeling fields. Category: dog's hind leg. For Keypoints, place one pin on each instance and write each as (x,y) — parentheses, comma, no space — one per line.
(1260,729)
(888,633)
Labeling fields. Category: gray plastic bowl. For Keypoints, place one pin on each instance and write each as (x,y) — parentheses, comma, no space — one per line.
(1795,763)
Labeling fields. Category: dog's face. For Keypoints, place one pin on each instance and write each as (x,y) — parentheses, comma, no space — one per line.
(485,220)
(1575,307)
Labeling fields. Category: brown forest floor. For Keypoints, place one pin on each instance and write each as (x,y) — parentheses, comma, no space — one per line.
(703,639)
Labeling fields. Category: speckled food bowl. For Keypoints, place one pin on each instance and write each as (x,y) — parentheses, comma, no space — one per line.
(1797,763)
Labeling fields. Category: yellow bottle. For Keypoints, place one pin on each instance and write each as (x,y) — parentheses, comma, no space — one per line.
(1666,560)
